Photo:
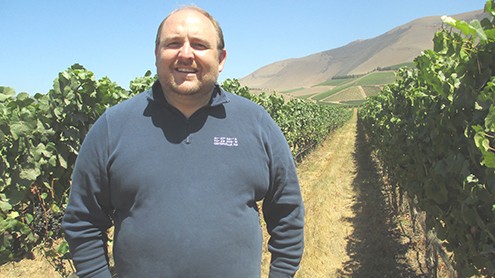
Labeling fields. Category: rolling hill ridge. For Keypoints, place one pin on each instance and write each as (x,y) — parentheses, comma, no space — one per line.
(397,46)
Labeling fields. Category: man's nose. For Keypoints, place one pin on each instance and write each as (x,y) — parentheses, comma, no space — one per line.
(186,51)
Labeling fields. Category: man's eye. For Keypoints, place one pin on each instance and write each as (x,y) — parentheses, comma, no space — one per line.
(199,46)
(173,45)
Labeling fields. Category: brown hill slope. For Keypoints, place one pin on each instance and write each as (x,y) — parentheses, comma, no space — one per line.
(399,45)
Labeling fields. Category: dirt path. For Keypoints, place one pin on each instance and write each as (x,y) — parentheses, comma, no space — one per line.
(363,93)
(350,230)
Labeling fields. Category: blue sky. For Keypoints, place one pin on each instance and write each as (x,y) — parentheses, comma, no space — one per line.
(116,38)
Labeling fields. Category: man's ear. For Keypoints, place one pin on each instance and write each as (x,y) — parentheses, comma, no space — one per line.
(222,56)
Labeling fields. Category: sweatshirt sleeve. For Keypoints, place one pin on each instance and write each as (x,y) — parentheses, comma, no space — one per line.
(87,216)
(283,208)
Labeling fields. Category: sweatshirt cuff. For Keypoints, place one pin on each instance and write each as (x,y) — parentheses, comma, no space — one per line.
(105,273)
(278,274)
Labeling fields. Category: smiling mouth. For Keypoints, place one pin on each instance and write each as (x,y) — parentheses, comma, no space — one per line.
(186,70)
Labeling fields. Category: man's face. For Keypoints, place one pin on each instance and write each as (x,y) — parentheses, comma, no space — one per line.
(188,61)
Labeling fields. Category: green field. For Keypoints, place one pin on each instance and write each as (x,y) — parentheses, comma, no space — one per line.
(376,78)
(336,82)
(372,90)
(353,90)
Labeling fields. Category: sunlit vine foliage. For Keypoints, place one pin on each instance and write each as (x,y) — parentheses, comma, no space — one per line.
(434,131)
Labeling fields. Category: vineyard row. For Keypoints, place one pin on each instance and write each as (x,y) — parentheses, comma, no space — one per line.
(434,132)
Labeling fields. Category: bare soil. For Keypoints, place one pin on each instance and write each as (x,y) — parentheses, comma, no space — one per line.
(355,226)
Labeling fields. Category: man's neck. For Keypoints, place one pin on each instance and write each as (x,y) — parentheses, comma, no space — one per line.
(188,104)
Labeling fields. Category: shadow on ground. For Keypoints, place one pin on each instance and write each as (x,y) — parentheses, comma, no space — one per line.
(375,248)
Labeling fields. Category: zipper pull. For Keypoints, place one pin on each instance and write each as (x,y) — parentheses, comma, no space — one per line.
(188,139)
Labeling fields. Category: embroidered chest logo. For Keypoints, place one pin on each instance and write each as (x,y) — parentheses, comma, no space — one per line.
(225,141)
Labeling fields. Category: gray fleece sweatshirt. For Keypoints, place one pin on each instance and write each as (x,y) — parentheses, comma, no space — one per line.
(182,193)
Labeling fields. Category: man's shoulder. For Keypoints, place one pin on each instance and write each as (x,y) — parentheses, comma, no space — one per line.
(242,102)
(247,105)
(135,102)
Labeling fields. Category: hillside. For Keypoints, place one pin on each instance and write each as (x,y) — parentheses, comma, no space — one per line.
(399,45)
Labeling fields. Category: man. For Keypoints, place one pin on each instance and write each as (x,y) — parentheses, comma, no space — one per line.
(178,170)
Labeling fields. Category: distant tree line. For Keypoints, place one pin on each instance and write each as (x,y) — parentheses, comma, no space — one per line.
(349,76)
(388,68)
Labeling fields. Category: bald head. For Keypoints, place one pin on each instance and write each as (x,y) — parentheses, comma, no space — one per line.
(218,29)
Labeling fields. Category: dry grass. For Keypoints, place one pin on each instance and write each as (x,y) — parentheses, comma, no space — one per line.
(326,179)
(326,176)
(39,267)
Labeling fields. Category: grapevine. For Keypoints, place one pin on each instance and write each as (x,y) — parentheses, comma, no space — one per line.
(433,130)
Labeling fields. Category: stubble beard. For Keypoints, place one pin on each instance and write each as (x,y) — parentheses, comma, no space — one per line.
(197,88)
